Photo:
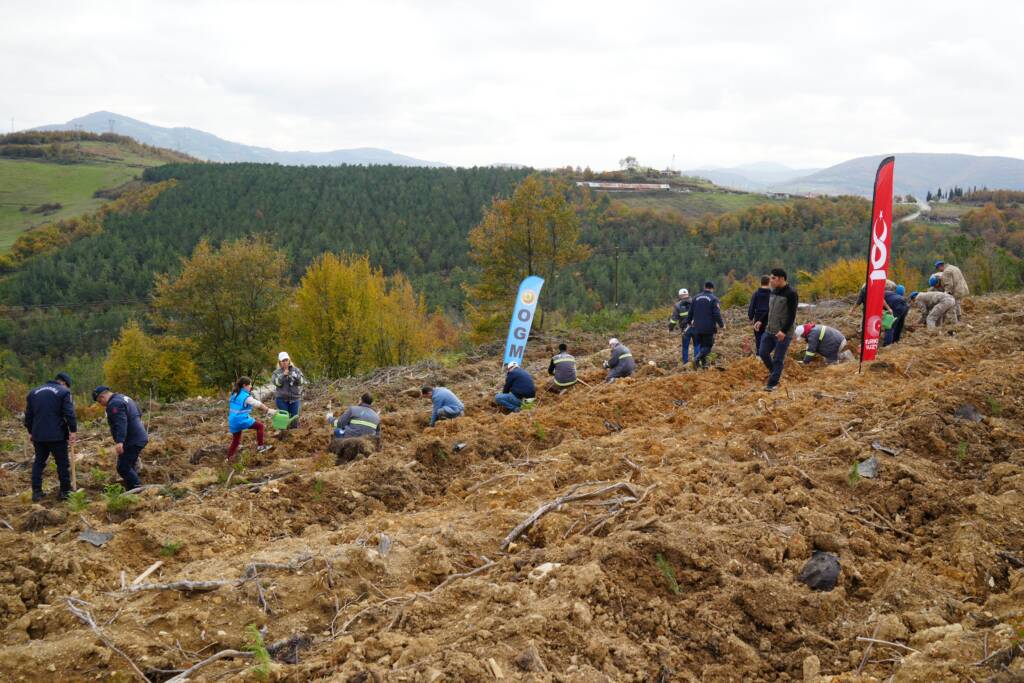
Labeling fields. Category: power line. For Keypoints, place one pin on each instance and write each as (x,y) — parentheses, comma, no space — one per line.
(73,304)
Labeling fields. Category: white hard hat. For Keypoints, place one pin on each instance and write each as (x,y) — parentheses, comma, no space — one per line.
(684,292)
(283,356)
(613,342)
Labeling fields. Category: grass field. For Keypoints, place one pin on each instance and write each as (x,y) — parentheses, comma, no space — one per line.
(949,211)
(693,204)
(33,183)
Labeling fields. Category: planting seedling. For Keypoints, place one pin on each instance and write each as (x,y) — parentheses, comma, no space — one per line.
(77,501)
(117,499)
(99,476)
(668,572)
(854,475)
(540,432)
(259,650)
(171,548)
(961,451)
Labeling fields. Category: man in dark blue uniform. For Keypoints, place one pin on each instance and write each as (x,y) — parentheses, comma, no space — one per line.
(706,320)
(130,437)
(50,421)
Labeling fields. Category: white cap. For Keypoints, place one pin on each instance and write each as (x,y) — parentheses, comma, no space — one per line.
(613,342)
(283,356)
(512,364)
(684,292)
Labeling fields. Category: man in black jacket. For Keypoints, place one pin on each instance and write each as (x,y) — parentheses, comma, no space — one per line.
(778,327)
(50,421)
(757,311)
(130,437)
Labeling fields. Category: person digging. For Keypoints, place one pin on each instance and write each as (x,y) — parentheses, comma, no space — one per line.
(353,431)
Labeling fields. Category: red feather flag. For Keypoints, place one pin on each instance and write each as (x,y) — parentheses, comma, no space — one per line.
(879,258)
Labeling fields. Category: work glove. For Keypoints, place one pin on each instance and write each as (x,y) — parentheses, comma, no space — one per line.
(330,417)
(671,327)
(604,364)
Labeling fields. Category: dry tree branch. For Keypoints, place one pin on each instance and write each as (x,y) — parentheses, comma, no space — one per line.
(569,497)
(406,600)
(85,617)
(223,654)
(865,639)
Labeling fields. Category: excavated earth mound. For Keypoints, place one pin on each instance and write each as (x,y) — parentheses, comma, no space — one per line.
(651,529)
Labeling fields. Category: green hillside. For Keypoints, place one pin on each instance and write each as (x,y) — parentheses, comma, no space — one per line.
(412,220)
(47,176)
(696,203)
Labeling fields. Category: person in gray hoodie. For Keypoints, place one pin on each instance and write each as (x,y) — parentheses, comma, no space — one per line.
(824,341)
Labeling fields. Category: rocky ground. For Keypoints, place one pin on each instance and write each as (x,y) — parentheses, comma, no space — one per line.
(693,502)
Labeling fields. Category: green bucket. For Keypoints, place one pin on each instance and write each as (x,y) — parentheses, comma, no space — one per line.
(888,319)
(281,419)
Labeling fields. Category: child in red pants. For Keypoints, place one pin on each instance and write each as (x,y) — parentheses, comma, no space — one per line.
(240,405)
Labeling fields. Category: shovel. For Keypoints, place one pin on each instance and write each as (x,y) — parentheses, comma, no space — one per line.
(74,470)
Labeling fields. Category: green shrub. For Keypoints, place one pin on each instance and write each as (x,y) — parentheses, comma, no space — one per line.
(170,548)
(99,476)
(117,499)
(77,500)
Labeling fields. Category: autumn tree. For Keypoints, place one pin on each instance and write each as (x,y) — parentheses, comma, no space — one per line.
(228,301)
(141,365)
(534,232)
(348,316)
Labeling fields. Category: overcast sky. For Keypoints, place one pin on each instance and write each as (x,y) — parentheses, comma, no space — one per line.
(541,83)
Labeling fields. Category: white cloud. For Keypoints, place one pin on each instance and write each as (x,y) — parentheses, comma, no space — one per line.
(548,84)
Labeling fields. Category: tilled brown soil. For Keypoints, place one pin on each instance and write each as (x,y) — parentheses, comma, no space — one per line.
(392,567)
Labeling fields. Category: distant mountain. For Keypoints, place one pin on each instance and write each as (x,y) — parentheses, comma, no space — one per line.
(757,176)
(915,173)
(209,147)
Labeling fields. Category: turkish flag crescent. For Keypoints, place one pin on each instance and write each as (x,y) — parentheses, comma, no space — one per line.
(879,253)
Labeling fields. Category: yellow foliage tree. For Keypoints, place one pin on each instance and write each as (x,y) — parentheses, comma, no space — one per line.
(229,302)
(534,232)
(845,277)
(348,316)
(842,278)
(739,293)
(141,365)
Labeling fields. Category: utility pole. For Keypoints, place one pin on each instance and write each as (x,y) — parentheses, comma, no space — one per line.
(111,122)
(615,290)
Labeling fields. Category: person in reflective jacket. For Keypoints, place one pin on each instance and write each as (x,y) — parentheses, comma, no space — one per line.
(240,405)
(357,422)
(562,369)
(621,363)
(824,341)
(127,430)
(681,317)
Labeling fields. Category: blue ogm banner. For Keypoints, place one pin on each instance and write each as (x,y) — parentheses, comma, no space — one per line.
(522,318)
